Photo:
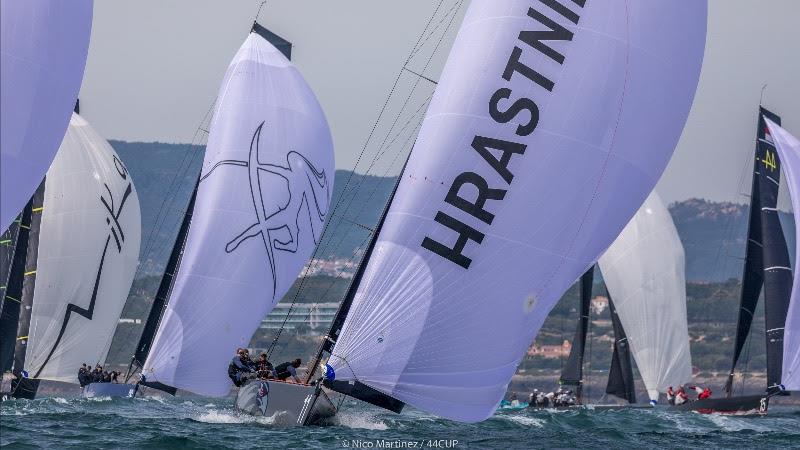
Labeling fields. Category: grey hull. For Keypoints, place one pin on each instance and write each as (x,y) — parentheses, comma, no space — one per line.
(108,390)
(290,403)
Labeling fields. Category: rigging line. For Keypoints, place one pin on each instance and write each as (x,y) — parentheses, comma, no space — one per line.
(366,144)
(358,160)
(374,189)
(456,5)
(173,189)
(408,98)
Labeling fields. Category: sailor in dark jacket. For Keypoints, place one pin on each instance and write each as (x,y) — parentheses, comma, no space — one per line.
(288,369)
(264,367)
(83,376)
(240,366)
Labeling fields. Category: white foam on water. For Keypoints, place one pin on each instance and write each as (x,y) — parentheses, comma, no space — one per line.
(733,424)
(100,399)
(60,400)
(228,417)
(360,420)
(525,420)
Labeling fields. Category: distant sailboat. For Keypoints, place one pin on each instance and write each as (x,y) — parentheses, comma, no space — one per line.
(81,255)
(549,126)
(766,264)
(644,270)
(256,216)
(44,47)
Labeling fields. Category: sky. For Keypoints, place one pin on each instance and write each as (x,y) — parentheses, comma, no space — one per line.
(154,69)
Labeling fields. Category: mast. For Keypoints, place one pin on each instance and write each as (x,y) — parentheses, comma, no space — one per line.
(572,374)
(357,390)
(620,375)
(14,250)
(164,288)
(22,386)
(766,260)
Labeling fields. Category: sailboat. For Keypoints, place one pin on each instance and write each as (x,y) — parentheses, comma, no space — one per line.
(43,46)
(550,125)
(75,255)
(645,270)
(254,219)
(766,264)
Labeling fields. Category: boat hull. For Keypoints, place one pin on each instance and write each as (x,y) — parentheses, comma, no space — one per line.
(289,403)
(108,390)
(744,405)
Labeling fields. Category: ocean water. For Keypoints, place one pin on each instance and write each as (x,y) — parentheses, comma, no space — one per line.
(156,423)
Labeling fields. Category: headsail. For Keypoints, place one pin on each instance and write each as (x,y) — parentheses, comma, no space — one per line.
(788,148)
(87,255)
(645,272)
(43,46)
(550,124)
(261,205)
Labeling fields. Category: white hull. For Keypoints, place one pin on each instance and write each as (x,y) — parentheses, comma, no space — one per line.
(290,403)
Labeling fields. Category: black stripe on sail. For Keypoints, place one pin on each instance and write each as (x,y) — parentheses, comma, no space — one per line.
(278,42)
(620,375)
(572,374)
(14,254)
(27,389)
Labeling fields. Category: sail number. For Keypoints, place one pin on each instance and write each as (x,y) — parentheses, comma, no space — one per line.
(769,160)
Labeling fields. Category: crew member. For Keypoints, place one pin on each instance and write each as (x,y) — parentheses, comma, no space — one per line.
(239,367)
(681,397)
(284,370)
(264,368)
(705,394)
(670,396)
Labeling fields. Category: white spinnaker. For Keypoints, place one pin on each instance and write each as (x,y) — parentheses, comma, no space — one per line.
(266,185)
(645,272)
(89,242)
(788,148)
(447,339)
(43,44)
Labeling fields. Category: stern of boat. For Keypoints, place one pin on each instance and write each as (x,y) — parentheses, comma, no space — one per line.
(289,403)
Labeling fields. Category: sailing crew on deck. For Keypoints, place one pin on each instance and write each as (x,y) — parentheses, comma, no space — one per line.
(240,366)
(705,394)
(83,376)
(264,368)
(670,396)
(681,397)
(284,370)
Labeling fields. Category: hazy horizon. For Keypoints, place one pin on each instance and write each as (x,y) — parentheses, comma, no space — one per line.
(154,69)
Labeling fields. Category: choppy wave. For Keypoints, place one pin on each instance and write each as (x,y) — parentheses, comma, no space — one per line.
(196,422)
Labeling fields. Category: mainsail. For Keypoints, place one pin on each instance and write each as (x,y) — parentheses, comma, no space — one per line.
(767,258)
(572,373)
(43,46)
(88,250)
(788,148)
(262,202)
(644,270)
(620,373)
(551,123)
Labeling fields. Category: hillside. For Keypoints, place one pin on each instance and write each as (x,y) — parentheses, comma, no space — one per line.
(713,234)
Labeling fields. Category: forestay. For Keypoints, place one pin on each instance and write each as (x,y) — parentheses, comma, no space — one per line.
(261,205)
(645,272)
(89,242)
(43,44)
(788,148)
(550,124)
